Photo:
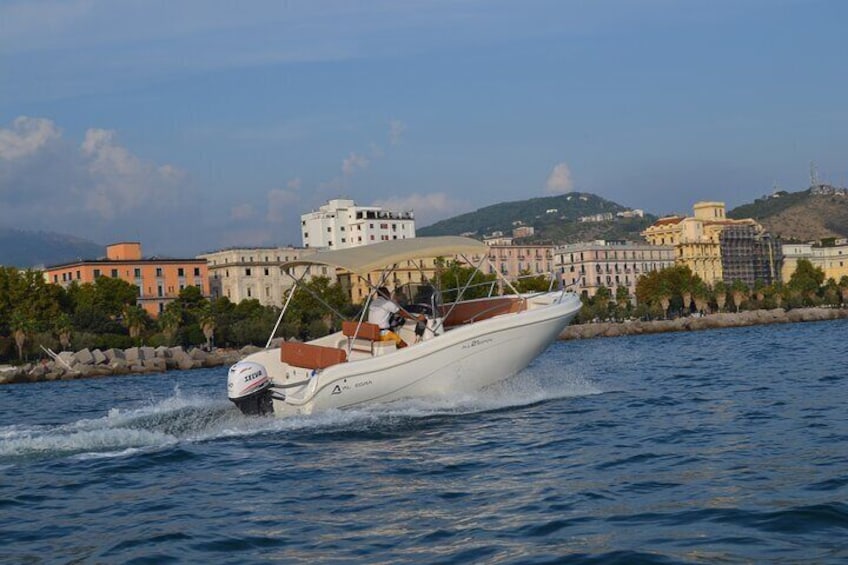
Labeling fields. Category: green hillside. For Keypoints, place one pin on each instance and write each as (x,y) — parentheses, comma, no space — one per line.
(802,216)
(554,218)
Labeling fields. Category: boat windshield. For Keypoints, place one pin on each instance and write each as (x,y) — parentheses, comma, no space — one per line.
(418,298)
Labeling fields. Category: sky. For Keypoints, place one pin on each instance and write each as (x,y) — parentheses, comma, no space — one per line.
(193,125)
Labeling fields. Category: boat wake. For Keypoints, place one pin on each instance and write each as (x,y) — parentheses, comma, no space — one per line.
(183,418)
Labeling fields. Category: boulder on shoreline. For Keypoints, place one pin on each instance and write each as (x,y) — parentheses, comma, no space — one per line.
(711,321)
(135,360)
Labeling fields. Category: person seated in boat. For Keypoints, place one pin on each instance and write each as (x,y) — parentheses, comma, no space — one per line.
(383,312)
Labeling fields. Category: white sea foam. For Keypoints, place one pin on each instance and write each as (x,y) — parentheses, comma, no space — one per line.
(180,418)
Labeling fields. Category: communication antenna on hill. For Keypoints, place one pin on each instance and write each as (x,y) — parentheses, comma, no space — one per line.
(814,177)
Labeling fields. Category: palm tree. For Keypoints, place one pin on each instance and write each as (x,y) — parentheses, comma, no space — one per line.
(63,328)
(21,325)
(169,321)
(135,320)
(739,291)
(207,323)
(720,290)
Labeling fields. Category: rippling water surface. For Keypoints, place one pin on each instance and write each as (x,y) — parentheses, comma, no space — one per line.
(721,446)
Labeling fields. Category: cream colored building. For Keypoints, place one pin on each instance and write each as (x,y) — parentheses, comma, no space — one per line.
(256,273)
(696,239)
(587,266)
(832,260)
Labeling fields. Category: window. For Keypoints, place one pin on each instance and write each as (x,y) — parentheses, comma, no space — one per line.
(158,271)
(114,273)
(197,271)
(55,278)
(160,291)
(180,272)
(247,271)
(96,273)
(137,273)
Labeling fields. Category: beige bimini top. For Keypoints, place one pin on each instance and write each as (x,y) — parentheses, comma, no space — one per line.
(368,258)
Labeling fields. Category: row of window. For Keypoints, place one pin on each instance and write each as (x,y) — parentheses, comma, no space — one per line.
(69,276)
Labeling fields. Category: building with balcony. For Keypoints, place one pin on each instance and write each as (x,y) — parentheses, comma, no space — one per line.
(696,239)
(341,223)
(245,273)
(511,259)
(159,280)
(832,259)
(587,266)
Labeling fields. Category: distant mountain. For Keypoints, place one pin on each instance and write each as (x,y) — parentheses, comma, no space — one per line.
(553,218)
(25,249)
(810,215)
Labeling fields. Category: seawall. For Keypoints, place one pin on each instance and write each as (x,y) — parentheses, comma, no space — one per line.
(711,321)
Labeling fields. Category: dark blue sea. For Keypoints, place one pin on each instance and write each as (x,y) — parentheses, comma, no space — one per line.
(727,446)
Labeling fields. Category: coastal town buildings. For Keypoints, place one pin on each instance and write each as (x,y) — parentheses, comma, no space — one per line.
(512,259)
(832,259)
(587,266)
(697,239)
(245,273)
(159,280)
(341,223)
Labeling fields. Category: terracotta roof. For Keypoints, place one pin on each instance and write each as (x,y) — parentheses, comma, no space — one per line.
(668,221)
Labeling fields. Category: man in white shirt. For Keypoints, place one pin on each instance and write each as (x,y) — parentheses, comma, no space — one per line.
(380,312)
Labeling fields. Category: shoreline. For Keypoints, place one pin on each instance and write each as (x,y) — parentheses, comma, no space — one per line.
(709,322)
(86,364)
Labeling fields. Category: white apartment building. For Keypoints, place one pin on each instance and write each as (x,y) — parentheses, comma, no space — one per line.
(587,266)
(341,223)
(256,272)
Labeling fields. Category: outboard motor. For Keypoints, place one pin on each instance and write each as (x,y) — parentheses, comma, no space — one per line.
(249,387)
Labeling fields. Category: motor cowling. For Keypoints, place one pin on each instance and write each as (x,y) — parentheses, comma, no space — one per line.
(249,388)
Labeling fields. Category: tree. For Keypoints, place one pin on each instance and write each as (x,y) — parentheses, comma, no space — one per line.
(739,292)
(528,283)
(170,320)
(135,320)
(207,323)
(63,329)
(701,296)
(21,326)
(806,279)
(720,291)
(843,289)
(452,276)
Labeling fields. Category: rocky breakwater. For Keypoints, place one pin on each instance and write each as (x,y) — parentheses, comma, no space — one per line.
(135,360)
(711,321)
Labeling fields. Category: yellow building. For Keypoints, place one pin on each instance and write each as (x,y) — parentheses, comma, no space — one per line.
(832,260)
(696,239)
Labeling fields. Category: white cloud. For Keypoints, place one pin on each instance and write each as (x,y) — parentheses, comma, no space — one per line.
(354,162)
(281,205)
(427,207)
(119,181)
(294,184)
(26,136)
(94,188)
(396,129)
(559,181)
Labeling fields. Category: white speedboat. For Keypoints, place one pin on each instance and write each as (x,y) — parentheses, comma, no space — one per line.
(464,346)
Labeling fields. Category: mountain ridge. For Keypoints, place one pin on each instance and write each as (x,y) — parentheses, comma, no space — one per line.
(27,249)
